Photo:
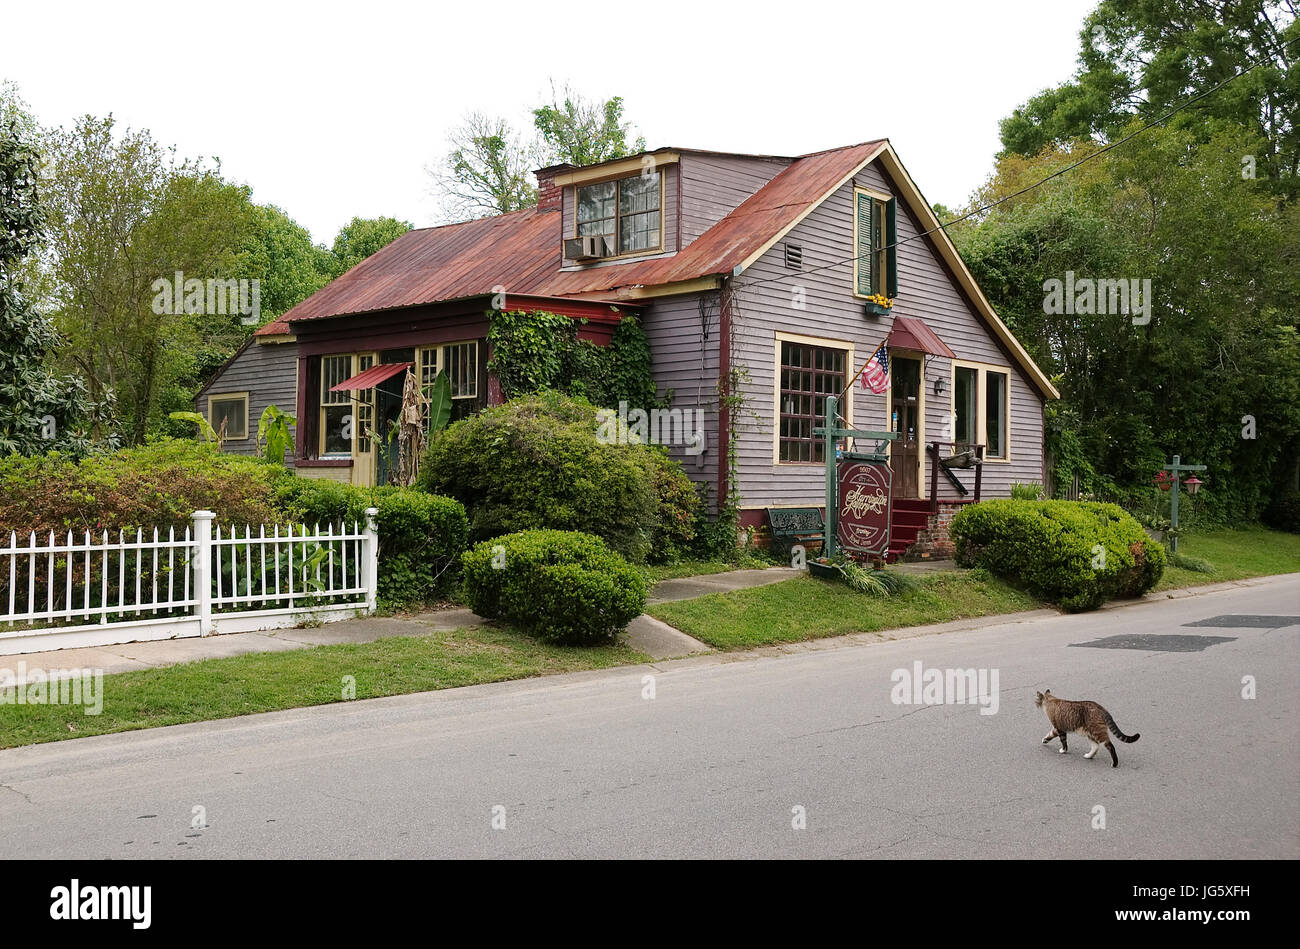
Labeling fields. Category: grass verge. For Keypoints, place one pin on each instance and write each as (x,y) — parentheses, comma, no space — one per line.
(807,608)
(1235,554)
(267,682)
(695,568)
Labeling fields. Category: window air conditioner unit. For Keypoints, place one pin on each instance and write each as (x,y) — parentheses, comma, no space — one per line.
(592,247)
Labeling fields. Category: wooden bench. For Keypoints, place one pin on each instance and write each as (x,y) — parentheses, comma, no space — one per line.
(794,524)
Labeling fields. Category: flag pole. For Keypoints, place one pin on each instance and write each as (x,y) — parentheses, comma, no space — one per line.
(875,350)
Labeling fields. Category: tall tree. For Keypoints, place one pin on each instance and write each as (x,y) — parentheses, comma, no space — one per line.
(123,214)
(1140,58)
(487,171)
(582,131)
(489,168)
(360,238)
(39,410)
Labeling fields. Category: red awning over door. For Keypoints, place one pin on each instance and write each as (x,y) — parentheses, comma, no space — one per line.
(910,333)
(369,378)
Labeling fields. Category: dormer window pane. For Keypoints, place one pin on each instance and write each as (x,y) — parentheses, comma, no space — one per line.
(638,214)
(596,209)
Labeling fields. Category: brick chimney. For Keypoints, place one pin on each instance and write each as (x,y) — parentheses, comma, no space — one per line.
(549,194)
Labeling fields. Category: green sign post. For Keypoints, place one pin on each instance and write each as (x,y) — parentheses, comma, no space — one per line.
(832,433)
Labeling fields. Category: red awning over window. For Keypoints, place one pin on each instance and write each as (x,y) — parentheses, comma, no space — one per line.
(369,378)
(910,333)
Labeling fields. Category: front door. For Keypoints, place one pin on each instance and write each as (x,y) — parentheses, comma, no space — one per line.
(905,421)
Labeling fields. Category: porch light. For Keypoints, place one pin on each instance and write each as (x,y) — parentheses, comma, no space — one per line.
(940,386)
(1193,484)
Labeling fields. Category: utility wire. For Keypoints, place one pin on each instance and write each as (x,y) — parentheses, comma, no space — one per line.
(1037,184)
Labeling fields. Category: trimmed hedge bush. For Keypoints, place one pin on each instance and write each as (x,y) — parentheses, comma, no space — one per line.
(536,462)
(560,586)
(159,484)
(1075,553)
(421,536)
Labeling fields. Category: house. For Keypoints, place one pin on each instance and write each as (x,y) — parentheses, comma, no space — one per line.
(756,275)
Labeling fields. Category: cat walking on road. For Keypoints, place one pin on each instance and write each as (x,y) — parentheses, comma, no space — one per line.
(1086,718)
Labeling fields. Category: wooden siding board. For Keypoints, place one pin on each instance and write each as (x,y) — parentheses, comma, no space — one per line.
(688,365)
(266,371)
(926,291)
(715,185)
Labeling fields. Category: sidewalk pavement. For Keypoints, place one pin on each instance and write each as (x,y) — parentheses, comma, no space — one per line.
(645,634)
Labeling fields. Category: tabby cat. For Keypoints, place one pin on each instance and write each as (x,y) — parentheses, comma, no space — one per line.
(1087,718)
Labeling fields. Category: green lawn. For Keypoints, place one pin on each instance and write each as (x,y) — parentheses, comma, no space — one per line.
(1235,554)
(808,608)
(265,682)
(695,568)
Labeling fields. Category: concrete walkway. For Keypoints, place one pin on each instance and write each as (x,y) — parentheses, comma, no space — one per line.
(645,634)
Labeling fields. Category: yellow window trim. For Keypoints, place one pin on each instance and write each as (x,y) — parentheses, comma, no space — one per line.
(981,430)
(618,169)
(662,215)
(353,402)
(230,397)
(841,344)
(438,363)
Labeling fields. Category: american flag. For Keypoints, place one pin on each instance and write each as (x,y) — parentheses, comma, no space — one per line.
(875,374)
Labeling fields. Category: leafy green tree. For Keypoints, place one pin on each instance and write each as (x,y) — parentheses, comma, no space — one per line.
(281,255)
(39,410)
(580,131)
(1220,344)
(487,171)
(360,238)
(1140,58)
(123,214)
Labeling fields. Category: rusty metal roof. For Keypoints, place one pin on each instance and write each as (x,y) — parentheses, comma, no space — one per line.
(369,378)
(521,251)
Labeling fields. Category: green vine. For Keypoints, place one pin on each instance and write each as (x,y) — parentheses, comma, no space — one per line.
(535,351)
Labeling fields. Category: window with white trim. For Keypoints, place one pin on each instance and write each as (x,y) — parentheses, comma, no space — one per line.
(981,406)
(230,411)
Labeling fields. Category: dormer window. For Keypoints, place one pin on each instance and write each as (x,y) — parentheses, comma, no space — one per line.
(625,211)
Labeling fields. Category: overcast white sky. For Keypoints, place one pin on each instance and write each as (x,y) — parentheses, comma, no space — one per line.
(333,109)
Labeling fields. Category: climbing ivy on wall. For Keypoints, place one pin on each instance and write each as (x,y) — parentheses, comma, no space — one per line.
(533,351)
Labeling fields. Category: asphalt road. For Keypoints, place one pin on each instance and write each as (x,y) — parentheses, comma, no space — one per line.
(715,763)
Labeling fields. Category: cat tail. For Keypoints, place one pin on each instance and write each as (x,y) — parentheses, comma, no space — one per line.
(1110,722)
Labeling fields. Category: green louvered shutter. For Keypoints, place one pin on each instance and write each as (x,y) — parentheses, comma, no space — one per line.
(866,213)
(891,240)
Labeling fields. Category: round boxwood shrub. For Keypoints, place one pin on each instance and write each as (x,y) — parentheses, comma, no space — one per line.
(560,586)
(539,462)
(1075,553)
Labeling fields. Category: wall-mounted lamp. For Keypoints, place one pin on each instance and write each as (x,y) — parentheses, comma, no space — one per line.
(940,386)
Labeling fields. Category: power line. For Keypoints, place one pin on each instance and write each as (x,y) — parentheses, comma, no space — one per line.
(1037,184)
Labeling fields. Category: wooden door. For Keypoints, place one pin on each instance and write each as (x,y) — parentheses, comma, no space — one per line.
(905,421)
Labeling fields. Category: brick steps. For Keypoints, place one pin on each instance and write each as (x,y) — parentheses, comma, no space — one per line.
(907,518)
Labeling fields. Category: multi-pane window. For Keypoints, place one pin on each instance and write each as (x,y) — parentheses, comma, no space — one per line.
(808,375)
(365,415)
(230,411)
(461,363)
(336,415)
(626,211)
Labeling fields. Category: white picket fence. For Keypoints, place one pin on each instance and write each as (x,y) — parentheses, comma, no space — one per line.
(60,593)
